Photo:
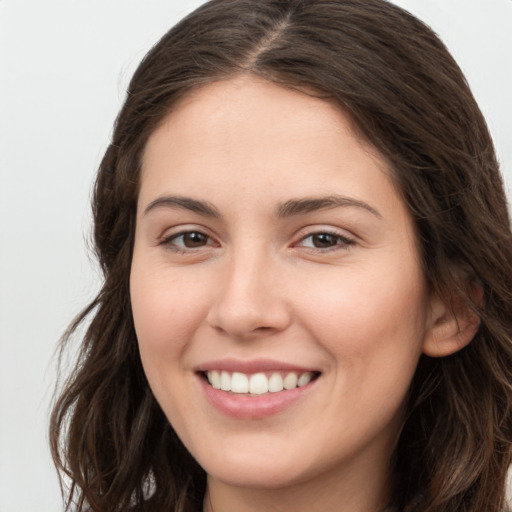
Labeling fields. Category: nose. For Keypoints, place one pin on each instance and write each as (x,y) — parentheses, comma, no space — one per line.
(251,299)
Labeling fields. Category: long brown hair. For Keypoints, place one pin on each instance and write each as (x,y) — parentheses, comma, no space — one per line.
(408,97)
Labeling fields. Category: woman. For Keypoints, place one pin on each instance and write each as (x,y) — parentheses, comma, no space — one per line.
(306,303)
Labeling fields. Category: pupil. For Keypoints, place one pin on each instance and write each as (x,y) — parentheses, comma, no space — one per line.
(194,239)
(324,240)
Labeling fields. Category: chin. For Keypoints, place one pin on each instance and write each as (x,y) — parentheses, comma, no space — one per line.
(253,472)
(251,477)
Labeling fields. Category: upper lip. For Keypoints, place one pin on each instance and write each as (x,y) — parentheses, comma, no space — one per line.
(251,366)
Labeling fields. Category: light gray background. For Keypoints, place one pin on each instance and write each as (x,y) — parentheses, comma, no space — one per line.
(64,67)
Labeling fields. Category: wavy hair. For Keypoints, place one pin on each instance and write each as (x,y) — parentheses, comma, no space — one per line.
(407,96)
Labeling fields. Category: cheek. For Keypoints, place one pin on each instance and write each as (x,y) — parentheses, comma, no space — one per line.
(166,313)
(369,320)
(373,334)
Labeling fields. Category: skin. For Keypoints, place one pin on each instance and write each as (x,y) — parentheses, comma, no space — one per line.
(258,285)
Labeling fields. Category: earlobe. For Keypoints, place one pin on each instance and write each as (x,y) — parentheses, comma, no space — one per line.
(452,327)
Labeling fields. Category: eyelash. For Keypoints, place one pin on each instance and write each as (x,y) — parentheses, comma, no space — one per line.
(341,242)
(170,241)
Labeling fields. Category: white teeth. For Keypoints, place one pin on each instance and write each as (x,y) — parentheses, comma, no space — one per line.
(257,383)
(275,383)
(239,383)
(290,381)
(225,381)
(214,379)
(304,379)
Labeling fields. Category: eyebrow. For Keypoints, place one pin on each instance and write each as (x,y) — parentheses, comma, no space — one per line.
(310,204)
(287,209)
(186,203)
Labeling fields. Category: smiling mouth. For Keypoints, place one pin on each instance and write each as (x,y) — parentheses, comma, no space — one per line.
(258,384)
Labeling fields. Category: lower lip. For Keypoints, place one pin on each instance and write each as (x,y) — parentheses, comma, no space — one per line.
(254,407)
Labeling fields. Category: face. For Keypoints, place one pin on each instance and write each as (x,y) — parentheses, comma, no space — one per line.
(278,299)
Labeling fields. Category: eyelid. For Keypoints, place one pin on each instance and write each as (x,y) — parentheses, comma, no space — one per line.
(170,235)
(167,239)
(346,238)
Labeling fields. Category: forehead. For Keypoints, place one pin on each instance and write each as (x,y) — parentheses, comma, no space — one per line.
(257,136)
(249,112)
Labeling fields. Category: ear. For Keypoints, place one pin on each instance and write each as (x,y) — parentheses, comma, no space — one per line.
(452,325)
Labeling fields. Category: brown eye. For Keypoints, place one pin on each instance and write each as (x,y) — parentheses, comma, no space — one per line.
(186,240)
(191,239)
(324,240)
